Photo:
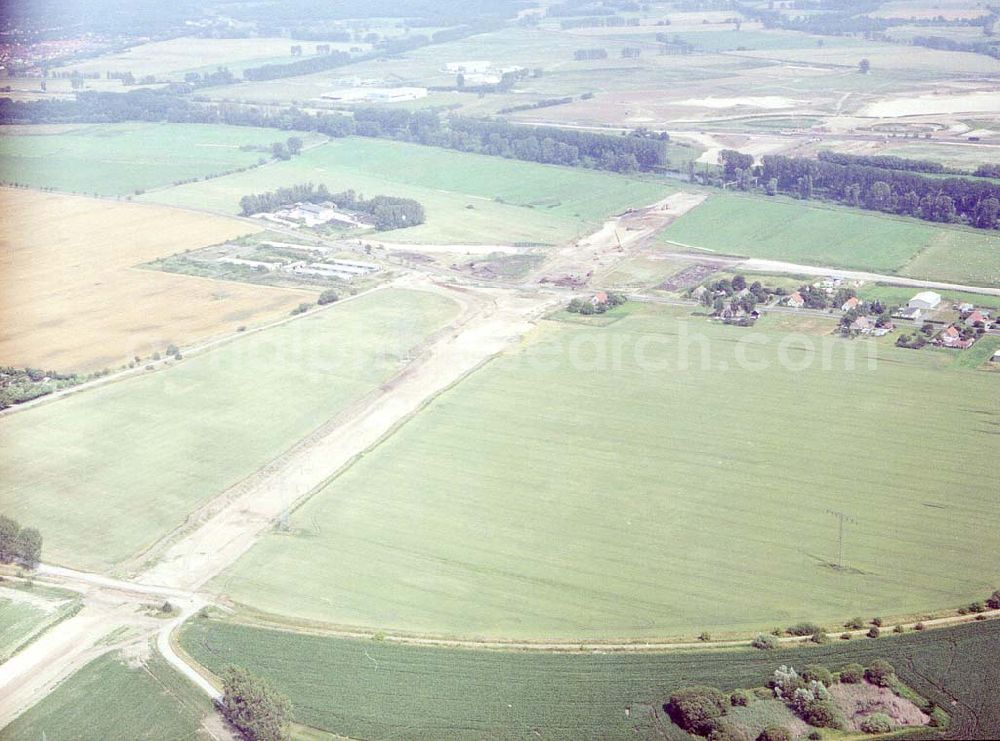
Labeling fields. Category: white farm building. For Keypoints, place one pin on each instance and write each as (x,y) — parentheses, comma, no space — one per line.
(925,300)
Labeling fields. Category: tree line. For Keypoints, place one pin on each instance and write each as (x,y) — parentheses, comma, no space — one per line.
(946,200)
(640,151)
(386,212)
(20,544)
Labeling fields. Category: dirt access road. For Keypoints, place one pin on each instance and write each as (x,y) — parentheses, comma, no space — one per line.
(578,263)
(491,321)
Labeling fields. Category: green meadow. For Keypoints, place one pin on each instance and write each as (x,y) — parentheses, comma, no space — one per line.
(839,237)
(108,699)
(108,472)
(468,197)
(121,159)
(652,476)
(380,690)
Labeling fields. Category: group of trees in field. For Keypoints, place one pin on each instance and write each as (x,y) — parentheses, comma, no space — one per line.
(593,306)
(20,544)
(18,385)
(385,212)
(705,711)
(869,184)
(259,711)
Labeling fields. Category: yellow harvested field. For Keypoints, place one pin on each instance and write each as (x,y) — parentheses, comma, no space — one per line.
(74,298)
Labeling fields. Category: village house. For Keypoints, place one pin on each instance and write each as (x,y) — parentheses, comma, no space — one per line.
(952,337)
(976,316)
(863,325)
(851,303)
(796,301)
(599,298)
(965,308)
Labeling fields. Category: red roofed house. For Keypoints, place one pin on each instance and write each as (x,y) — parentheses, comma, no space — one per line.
(851,303)
(796,301)
(599,298)
(975,316)
(951,337)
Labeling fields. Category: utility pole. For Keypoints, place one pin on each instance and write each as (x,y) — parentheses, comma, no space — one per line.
(842,518)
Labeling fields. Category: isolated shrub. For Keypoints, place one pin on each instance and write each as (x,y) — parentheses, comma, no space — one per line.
(777,632)
(705,636)
(764,642)
(852,674)
(877,622)
(874,632)
(881,673)
(823,714)
(845,636)
(817,673)
(899,629)
(977,607)
(739,698)
(994,601)
(919,626)
(763,693)
(725,731)
(775,733)
(814,735)
(980,617)
(328,296)
(820,637)
(802,629)
(876,723)
(695,709)
(855,623)
(166,608)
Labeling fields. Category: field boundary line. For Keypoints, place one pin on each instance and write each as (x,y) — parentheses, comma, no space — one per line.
(268,621)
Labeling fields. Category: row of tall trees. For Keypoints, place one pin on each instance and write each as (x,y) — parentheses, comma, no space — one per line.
(947,200)
(641,151)
(884,161)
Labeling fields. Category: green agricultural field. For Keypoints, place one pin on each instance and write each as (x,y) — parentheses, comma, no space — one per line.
(106,473)
(380,690)
(468,197)
(27,613)
(656,476)
(838,237)
(121,159)
(108,699)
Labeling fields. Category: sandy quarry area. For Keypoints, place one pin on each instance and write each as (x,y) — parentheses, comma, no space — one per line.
(75,300)
(935,104)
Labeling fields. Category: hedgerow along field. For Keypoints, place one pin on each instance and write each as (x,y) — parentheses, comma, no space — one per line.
(111,699)
(585,489)
(382,690)
(468,197)
(121,159)
(108,472)
(839,237)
